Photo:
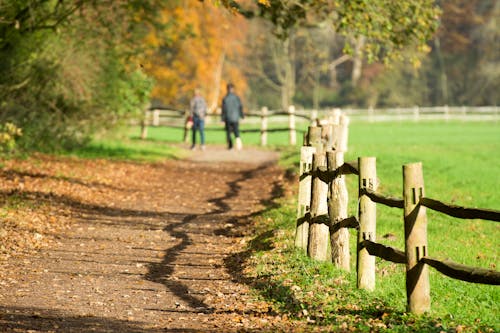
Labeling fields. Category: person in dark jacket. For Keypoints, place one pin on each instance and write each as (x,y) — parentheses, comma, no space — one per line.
(232,112)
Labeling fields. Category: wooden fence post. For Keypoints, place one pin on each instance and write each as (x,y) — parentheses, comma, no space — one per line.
(318,232)
(416,113)
(291,118)
(314,116)
(314,137)
(326,134)
(144,125)
(263,127)
(304,200)
(337,210)
(156,117)
(343,133)
(415,220)
(365,263)
(187,128)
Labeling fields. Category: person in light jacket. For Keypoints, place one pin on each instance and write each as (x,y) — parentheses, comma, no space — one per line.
(232,112)
(198,112)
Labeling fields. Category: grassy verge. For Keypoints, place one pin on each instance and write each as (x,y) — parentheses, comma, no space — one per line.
(460,166)
(124,145)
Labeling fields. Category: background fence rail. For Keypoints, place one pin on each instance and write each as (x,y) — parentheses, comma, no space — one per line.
(175,118)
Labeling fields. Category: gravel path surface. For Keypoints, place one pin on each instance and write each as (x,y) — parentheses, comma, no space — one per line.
(141,247)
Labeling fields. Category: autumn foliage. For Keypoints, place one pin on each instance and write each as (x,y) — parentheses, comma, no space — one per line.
(199,45)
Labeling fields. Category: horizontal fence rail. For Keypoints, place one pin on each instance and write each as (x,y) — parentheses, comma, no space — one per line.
(178,119)
(467,113)
(175,118)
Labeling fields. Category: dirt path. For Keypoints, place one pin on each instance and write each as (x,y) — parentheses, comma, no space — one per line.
(144,247)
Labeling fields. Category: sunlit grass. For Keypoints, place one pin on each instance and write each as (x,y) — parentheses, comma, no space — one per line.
(460,162)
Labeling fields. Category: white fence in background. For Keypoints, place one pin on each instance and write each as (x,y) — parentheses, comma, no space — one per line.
(465,113)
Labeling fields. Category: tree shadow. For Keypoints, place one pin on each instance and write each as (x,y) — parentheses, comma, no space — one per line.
(13,174)
(161,272)
(22,319)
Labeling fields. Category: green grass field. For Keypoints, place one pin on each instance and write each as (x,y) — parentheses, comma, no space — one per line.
(461,164)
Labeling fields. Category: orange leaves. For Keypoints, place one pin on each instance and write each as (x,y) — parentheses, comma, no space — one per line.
(200,46)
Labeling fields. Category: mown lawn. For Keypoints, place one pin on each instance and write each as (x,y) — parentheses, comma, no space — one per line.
(461,164)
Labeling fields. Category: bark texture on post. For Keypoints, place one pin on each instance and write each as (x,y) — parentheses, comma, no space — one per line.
(314,137)
(293,133)
(367,222)
(318,232)
(326,135)
(304,200)
(263,127)
(415,219)
(337,210)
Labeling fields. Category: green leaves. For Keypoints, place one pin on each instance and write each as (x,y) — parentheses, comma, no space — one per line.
(389,26)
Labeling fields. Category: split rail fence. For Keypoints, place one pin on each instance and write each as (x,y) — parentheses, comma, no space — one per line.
(323,223)
(172,118)
(177,119)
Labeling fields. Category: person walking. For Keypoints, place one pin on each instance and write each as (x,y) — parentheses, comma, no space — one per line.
(232,112)
(198,112)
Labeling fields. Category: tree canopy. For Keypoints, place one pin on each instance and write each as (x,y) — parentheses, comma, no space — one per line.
(71,69)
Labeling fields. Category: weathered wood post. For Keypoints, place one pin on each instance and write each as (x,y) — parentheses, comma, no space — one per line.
(263,127)
(337,210)
(314,137)
(291,118)
(343,134)
(415,220)
(156,117)
(187,127)
(371,114)
(416,113)
(318,232)
(326,135)
(314,116)
(304,200)
(367,218)
(144,125)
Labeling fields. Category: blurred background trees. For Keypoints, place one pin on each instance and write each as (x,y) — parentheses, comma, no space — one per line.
(73,69)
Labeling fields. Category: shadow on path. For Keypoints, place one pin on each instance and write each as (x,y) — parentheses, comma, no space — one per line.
(218,218)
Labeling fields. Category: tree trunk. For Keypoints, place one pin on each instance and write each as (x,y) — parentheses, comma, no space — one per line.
(217,80)
(357,60)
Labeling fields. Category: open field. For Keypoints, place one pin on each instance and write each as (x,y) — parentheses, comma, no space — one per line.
(461,165)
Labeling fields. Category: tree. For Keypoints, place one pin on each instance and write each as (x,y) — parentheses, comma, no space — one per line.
(388,26)
(201,45)
(371,30)
(66,71)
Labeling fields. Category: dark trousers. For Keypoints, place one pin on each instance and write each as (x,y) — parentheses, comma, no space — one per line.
(198,125)
(232,127)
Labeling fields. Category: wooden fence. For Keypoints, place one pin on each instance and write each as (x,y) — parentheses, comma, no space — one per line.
(173,118)
(323,222)
(177,119)
(416,113)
